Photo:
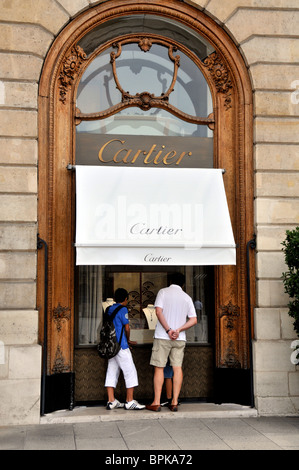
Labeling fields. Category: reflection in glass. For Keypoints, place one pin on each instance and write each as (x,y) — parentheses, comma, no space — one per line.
(167,27)
(139,72)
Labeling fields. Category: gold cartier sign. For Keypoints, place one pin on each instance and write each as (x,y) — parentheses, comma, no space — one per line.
(153,155)
(153,151)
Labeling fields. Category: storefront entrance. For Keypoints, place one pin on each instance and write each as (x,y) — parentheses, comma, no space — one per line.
(143,286)
(148,86)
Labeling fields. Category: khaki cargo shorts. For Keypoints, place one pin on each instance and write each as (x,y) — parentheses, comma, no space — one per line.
(163,348)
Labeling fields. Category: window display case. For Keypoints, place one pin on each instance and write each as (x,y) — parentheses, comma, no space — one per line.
(96,286)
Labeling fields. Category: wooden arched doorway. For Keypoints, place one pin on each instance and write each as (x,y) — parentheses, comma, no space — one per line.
(226,74)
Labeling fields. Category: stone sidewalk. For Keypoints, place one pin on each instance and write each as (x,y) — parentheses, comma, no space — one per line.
(193,427)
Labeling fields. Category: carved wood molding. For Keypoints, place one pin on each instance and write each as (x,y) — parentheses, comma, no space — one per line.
(59,365)
(221,76)
(229,316)
(61,315)
(69,70)
(144,100)
(231,312)
(231,357)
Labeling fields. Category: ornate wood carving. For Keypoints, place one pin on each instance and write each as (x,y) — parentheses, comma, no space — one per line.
(60,315)
(231,356)
(220,76)
(229,323)
(70,69)
(144,100)
(145,44)
(59,362)
(231,313)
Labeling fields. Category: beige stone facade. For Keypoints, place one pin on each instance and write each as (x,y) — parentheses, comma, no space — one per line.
(266,33)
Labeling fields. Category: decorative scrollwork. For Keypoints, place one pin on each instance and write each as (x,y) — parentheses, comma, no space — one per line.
(220,75)
(231,358)
(231,312)
(70,69)
(59,363)
(145,44)
(144,100)
(60,315)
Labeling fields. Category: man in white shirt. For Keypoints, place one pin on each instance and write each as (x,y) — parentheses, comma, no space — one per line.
(176,313)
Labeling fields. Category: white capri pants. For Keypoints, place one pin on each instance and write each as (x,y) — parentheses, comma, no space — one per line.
(122,361)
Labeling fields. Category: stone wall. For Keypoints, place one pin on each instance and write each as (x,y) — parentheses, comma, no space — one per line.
(267,35)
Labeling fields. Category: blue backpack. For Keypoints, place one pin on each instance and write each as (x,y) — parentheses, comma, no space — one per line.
(108,346)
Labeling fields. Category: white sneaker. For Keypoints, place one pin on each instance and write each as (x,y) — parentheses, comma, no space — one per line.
(134,405)
(114,404)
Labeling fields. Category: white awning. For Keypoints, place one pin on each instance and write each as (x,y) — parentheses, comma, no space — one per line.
(152,216)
